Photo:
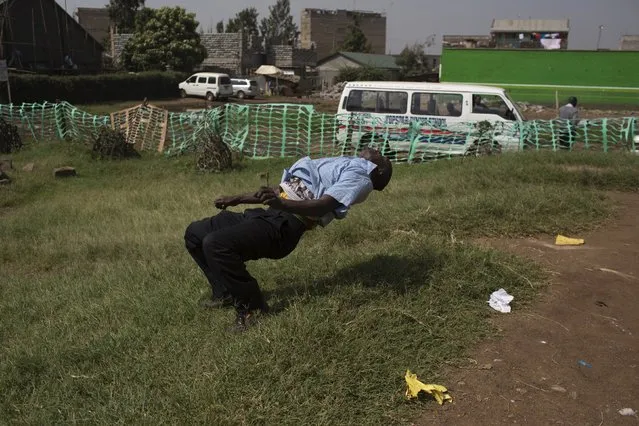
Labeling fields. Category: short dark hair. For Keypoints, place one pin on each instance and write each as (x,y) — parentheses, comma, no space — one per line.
(385,172)
(572,100)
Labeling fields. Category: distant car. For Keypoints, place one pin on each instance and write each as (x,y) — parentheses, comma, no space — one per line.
(245,88)
(209,85)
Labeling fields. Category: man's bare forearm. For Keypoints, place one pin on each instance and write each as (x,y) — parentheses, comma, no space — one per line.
(257,197)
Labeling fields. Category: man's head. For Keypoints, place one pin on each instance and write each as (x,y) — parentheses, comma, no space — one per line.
(384,170)
(572,101)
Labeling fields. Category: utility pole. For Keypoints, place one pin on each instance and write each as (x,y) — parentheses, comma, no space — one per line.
(601,27)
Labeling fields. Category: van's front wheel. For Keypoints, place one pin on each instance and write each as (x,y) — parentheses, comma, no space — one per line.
(183,93)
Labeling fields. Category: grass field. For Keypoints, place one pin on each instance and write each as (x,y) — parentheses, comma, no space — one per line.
(99,300)
(587,96)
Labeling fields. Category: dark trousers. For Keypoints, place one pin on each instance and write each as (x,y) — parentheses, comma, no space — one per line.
(221,245)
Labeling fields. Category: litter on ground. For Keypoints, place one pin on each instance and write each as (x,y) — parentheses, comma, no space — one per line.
(415,386)
(566,241)
(500,301)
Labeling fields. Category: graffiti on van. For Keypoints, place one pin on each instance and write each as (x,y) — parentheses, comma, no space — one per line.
(439,123)
(369,119)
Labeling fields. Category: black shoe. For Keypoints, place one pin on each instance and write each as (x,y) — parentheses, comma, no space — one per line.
(217,302)
(243,320)
(246,318)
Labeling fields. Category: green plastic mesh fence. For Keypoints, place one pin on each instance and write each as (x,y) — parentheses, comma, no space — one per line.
(294,130)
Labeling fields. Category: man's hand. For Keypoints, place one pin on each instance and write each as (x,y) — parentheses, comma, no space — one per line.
(224,202)
(265,193)
(274,202)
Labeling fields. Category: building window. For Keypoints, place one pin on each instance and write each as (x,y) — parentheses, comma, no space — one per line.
(437,104)
(381,102)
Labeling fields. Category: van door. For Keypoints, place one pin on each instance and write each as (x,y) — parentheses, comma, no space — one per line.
(374,116)
(442,130)
(494,109)
(200,86)
(189,87)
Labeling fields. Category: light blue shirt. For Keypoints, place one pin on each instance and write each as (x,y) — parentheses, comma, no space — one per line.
(346,179)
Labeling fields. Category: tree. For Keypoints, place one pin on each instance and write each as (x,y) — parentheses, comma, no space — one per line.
(413,60)
(355,40)
(278,28)
(164,38)
(220,27)
(365,73)
(123,13)
(244,22)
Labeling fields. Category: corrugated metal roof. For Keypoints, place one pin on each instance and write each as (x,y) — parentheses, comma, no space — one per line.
(372,60)
(531,25)
(629,42)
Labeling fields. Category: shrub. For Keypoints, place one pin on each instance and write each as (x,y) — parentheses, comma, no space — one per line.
(86,89)
(362,74)
(10,140)
(112,144)
(213,155)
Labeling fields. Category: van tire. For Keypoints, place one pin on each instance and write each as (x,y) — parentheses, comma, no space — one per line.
(210,96)
(240,95)
(183,93)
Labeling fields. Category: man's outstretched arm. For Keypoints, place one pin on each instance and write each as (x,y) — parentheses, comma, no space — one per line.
(270,197)
(257,197)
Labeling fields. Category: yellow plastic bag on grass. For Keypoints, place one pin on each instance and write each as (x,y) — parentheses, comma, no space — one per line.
(415,386)
(565,241)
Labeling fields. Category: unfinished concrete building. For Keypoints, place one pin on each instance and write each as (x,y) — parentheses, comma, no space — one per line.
(326,30)
(629,42)
(96,21)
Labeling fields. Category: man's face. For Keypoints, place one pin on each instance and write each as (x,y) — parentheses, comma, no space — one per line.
(382,174)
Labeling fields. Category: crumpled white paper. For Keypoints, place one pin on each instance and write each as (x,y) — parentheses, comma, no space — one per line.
(500,300)
(627,412)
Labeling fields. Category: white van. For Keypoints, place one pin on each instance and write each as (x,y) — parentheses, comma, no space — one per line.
(209,85)
(381,113)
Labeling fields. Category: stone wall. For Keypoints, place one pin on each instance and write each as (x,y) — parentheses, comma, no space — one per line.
(225,52)
(284,56)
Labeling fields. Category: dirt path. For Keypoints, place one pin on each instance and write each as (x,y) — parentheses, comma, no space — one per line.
(532,374)
(330,106)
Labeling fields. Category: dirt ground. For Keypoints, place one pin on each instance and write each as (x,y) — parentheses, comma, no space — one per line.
(330,106)
(573,357)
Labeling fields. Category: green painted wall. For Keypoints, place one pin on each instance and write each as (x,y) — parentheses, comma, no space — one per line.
(566,67)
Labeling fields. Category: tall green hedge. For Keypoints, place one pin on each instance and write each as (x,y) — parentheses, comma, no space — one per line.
(85,89)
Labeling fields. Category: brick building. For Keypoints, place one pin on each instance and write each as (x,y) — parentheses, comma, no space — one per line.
(629,42)
(326,30)
(530,33)
(466,41)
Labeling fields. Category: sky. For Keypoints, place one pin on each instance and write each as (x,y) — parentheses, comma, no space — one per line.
(410,21)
